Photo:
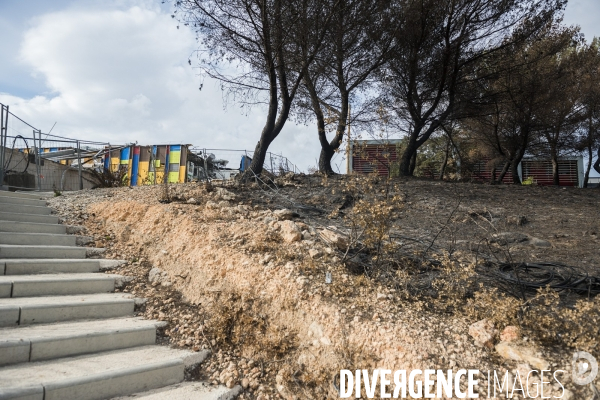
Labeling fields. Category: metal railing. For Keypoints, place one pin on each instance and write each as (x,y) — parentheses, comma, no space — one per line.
(33,160)
(224,163)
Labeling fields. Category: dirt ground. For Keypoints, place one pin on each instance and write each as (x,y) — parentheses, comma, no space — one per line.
(230,272)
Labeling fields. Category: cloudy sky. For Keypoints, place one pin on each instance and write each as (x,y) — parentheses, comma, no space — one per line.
(117,71)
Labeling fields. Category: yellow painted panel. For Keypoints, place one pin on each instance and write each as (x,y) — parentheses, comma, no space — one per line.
(174,177)
(114,164)
(175,157)
(182,174)
(143,175)
(129,168)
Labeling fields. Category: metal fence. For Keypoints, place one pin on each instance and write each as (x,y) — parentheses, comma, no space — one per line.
(226,163)
(33,160)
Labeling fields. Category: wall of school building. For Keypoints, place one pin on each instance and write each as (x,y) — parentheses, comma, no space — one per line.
(373,156)
(147,165)
(538,171)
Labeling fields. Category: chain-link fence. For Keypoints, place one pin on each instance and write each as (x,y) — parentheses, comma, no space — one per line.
(32,160)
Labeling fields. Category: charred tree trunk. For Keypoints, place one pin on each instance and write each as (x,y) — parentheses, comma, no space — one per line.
(445,162)
(590,150)
(327,148)
(406,159)
(325,160)
(554,158)
(514,171)
(514,166)
(588,168)
(281,92)
(597,163)
(269,132)
(555,177)
(520,153)
(459,169)
(413,163)
(504,171)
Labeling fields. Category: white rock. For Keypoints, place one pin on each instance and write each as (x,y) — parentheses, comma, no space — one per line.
(484,333)
(335,239)
(314,253)
(315,330)
(155,275)
(515,352)
(224,194)
(302,281)
(283,215)
(290,232)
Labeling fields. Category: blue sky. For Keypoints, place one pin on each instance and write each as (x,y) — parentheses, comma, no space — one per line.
(116,70)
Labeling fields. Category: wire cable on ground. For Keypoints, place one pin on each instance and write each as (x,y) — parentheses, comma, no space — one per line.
(529,277)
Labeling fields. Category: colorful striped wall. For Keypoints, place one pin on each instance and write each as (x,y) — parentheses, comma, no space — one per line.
(148,165)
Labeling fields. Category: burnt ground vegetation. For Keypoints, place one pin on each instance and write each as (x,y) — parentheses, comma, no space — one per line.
(241,269)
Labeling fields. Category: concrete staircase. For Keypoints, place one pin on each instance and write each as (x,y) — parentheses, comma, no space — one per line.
(64,333)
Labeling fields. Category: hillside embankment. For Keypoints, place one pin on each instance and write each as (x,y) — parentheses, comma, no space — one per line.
(283,283)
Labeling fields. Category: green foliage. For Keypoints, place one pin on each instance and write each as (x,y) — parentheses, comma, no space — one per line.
(106,178)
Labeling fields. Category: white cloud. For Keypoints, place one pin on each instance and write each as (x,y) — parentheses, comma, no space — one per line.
(116,70)
(120,74)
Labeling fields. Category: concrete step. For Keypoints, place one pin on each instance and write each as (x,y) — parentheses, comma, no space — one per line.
(15,251)
(42,266)
(35,239)
(46,342)
(35,193)
(32,227)
(27,194)
(188,391)
(19,217)
(20,200)
(49,309)
(21,209)
(55,284)
(97,376)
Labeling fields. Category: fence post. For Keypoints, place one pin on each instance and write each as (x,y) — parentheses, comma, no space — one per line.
(37,153)
(271,161)
(205,164)
(3,134)
(79,166)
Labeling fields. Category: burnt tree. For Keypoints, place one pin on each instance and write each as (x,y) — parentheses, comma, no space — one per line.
(259,50)
(439,46)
